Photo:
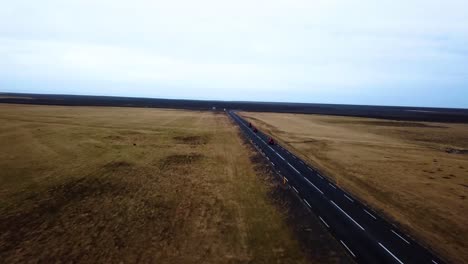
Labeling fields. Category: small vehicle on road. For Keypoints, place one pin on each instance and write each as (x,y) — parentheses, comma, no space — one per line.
(255,130)
(271,141)
(250,124)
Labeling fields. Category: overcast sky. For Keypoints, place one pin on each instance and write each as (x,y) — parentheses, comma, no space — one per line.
(389,52)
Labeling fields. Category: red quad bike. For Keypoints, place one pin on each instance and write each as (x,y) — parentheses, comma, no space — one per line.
(271,141)
(255,130)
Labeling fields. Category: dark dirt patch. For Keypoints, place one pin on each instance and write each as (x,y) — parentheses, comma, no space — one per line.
(17,224)
(118,165)
(456,151)
(180,160)
(395,124)
(113,137)
(192,140)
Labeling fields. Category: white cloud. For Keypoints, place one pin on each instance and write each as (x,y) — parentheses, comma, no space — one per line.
(302,49)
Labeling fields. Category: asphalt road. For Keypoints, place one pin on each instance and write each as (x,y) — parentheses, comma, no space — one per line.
(366,236)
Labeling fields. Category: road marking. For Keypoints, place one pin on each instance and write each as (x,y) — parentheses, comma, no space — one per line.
(389,252)
(321,177)
(280,156)
(435,262)
(301,161)
(332,185)
(347,248)
(272,163)
(313,185)
(294,168)
(295,190)
(362,228)
(375,218)
(347,197)
(402,238)
(323,221)
(307,203)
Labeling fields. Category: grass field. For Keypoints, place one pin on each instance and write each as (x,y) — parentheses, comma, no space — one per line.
(110,185)
(415,173)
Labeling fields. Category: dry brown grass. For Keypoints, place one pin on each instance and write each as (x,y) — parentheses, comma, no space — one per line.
(403,169)
(110,185)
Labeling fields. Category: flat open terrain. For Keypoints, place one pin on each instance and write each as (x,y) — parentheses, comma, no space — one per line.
(110,185)
(415,173)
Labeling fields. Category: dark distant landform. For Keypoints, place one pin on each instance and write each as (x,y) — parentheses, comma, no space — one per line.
(403,113)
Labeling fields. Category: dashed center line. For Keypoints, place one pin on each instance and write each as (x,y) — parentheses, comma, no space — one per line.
(313,185)
(307,203)
(280,156)
(332,185)
(347,215)
(323,221)
(402,238)
(347,248)
(389,252)
(294,168)
(295,190)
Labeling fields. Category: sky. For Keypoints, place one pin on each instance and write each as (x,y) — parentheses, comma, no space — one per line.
(319,51)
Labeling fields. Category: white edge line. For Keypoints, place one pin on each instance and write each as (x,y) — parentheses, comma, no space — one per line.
(347,248)
(347,197)
(323,221)
(435,262)
(362,228)
(334,187)
(371,215)
(307,203)
(313,185)
(280,156)
(389,252)
(402,238)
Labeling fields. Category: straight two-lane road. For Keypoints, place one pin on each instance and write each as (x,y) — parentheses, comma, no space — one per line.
(366,236)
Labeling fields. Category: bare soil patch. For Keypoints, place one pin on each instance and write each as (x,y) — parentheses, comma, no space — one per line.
(178,160)
(192,140)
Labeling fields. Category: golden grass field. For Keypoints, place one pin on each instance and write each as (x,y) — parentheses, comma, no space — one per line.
(120,185)
(403,169)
